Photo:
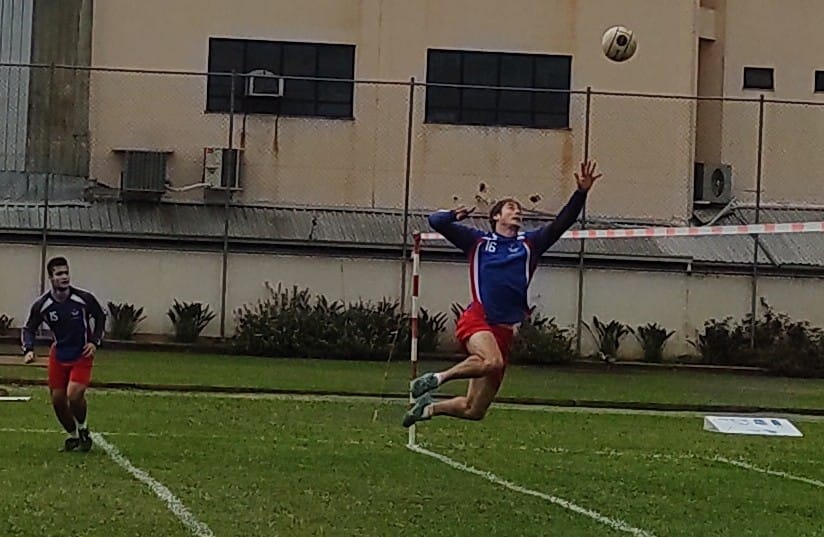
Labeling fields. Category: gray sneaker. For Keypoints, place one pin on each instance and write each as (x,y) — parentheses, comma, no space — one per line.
(415,413)
(425,383)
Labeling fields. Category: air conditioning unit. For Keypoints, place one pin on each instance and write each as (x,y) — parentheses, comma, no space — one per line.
(712,184)
(221,167)
(262,83)
(143,171)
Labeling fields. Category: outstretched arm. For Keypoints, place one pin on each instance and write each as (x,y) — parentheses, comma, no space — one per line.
(445,223)
(548,235)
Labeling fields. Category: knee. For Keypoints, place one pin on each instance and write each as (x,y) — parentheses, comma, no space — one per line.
(473,411)
(493,366)
(59,399)
(76,396)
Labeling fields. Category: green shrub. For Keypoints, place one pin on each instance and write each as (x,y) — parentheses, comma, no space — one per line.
(124,320)
(293,322)
(608,337)
(782,346)
(189,320)
(652,339)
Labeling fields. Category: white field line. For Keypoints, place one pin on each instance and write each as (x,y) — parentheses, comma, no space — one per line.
(174,504)
(613,523)
(783,475)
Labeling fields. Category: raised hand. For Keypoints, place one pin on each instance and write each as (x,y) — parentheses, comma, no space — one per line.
(587,177)
(462,211)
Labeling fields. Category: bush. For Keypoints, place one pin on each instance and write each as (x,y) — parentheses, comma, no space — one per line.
(652,338)
(608,337)
(189,320)
(782,346)
(539,340)
(5,324)
(124,320)
(293,322)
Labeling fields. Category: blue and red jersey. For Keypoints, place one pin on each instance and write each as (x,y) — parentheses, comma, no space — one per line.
(501,268)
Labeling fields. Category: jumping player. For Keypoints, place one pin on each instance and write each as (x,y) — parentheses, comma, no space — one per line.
(67,311)
(502,263)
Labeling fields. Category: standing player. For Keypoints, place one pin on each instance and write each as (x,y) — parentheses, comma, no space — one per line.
(502,263)
(67,311)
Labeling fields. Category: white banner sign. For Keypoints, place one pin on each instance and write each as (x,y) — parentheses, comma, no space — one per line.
(745,425)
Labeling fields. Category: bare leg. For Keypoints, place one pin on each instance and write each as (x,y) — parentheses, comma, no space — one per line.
(60,403)
(484,367)
(484,359)
(77,401)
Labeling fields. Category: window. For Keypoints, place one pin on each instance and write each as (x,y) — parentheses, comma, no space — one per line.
(758,78)
(300,97)
(819,81)
(479,106)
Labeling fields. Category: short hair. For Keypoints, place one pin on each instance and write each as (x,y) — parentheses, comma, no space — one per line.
(55,262)
(499,207)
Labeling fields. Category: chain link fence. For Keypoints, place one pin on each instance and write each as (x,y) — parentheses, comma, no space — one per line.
(238,166)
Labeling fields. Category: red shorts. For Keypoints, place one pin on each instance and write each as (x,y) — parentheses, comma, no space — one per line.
(473,320)
(60,373)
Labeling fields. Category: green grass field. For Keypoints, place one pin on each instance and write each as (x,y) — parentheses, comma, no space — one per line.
(240,465)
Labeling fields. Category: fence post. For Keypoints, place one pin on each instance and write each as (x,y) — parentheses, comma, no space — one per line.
(756,240)
(227,197)
(407,188)
(580,314)
(44,240)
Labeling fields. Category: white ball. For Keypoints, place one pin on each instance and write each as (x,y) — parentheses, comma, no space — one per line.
(619,43)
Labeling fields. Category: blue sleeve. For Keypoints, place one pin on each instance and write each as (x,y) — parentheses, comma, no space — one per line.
(461,236)
(29,330)
(541,239)
(95,311)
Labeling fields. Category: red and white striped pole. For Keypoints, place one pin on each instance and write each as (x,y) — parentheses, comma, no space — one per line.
(413,321)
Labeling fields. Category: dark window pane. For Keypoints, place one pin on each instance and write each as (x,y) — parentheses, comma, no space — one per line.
(444,67)
(225,55)
(819,81)
(516,101)
(516,70)
(262,55)
(551,121)
(338,92)
(478,117)
(297,108)
(552,72)
(443,97)
(334,110)
(480,98)
(299,59)
(300,89)
(480,68)
(515,118)
(261,105)
(758,78)
(336,61)
(443,115)
(478,106)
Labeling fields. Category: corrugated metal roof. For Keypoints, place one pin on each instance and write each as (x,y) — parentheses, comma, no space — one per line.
(375,228)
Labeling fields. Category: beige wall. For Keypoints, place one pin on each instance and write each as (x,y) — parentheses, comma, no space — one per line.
(154,278)
(362,162)
(785,36)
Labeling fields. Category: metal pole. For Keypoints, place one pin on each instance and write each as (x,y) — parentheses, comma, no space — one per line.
(44,240)
(228,194)
(758,174)
(580,315)
(407,188)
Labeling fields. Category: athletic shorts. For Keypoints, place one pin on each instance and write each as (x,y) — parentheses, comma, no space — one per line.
(61,373)
(473,320)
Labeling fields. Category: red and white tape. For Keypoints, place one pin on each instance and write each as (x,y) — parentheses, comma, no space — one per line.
(629,233)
